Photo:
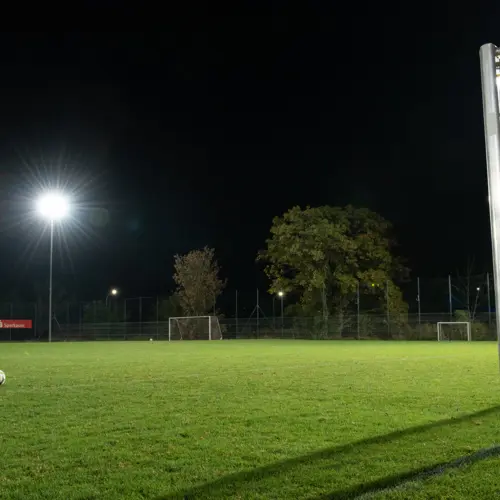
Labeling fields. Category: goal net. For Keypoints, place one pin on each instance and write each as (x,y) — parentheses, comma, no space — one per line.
(454,330)
(194,328)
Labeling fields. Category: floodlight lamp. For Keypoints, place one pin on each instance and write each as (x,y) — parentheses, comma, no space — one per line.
(53,206)
(281,293)
(478,288)
(114,291)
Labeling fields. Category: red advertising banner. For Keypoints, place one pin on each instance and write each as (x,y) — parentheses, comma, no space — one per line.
(16,323)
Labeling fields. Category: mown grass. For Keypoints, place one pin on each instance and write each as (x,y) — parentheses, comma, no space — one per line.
(248,419)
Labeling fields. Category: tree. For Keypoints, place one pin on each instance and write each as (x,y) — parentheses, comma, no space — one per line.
(197,279)
(470,291)
(326,253)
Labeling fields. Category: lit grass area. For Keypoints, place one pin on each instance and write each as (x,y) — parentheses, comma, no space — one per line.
(249,419)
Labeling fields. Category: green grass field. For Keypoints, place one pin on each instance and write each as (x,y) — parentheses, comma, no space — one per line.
(249,419)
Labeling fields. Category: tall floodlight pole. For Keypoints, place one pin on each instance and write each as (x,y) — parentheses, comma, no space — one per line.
(51,253)
(52,206)
(490,80)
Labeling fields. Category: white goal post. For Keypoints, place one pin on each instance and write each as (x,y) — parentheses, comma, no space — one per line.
(452,324)
(194,328)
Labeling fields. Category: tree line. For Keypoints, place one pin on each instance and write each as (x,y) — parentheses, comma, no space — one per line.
(323,258)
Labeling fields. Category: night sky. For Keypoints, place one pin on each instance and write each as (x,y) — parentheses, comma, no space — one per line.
(199,134)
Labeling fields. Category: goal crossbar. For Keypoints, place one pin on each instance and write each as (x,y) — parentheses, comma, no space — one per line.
(188,318)
(452,323)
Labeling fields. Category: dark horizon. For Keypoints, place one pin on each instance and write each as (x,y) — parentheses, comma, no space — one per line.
(180,139)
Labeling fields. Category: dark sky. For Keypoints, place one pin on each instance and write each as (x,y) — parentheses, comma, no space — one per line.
(199,134)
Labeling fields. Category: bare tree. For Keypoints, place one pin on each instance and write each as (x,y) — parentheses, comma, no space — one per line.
(198,283)
(469,290)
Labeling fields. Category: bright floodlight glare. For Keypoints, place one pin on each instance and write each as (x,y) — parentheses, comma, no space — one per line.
(280,293)
(114,291)
(53,206)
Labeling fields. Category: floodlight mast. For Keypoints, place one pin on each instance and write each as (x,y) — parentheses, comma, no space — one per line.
(51,252)
(490,80)
(52,206)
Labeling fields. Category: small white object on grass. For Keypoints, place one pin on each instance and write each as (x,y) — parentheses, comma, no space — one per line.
(151,340)
(2,377)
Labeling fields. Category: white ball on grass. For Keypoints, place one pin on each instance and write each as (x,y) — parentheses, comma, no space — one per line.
(2,377)
(151,340)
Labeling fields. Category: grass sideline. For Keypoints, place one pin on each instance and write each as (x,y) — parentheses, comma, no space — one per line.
(249,419)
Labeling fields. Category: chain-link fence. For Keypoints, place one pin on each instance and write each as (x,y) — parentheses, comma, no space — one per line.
(258,314)
(364,326)
(474,293)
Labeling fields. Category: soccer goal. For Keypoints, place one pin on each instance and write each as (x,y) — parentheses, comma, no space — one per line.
(454,330)
(194,328)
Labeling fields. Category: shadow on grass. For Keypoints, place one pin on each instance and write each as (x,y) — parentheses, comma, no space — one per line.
(237,480)
(392,483)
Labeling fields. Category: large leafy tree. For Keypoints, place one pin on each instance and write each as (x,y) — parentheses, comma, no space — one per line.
(326,253)
(198,283)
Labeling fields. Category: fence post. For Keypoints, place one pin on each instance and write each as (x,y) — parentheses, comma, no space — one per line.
(257,310)
(418,301)
(419,310)
(274,316)
(387,307)
(236,313)
(358,309)
(157,316)
(80,318)
(35,322)
(449,297)
(11,315)
(140,316)
(95,315)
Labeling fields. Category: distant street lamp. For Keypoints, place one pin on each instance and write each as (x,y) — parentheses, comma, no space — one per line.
(52,206)
(478,289)
(113,292)
(281,295)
